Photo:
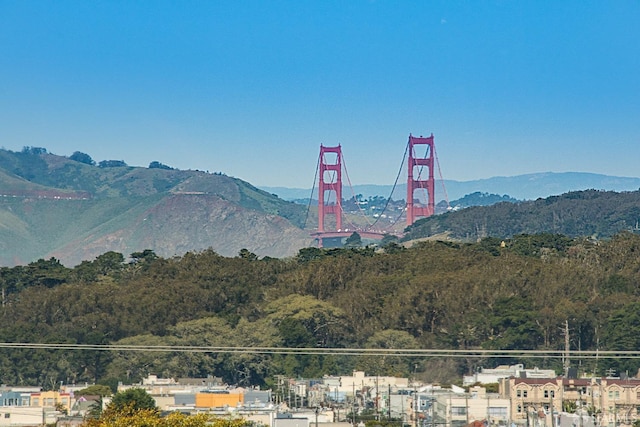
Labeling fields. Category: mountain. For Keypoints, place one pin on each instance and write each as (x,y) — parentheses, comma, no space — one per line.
(73,210)
(521,187)
(589,213)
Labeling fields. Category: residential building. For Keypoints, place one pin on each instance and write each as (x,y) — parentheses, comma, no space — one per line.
(14,398)
(613,401)
(51,399)
(219,399)
(494,375)
(459,408)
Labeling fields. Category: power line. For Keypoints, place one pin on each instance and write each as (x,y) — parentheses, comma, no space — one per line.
(424,353)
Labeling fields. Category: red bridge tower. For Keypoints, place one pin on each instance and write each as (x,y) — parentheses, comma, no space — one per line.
(419,182)
(331,182)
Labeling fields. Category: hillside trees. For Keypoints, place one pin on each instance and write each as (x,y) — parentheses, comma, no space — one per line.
(434,295)
(81,157)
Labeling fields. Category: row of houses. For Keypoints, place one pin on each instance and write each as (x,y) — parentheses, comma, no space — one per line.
(532,398)
(31,406)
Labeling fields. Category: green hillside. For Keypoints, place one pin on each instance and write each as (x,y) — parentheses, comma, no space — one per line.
(599,214)
(513,295)
(54,206)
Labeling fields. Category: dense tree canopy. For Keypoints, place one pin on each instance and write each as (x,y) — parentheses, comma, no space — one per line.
(132,400)
(517,293)
(81,157)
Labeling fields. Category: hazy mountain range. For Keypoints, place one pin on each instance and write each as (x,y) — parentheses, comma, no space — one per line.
(521,187)
(75,209)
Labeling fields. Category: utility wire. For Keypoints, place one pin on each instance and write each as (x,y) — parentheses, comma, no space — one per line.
(400,352)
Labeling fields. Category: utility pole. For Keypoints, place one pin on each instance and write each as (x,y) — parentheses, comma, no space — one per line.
(567,363)
(353,411)
(389,404)
(377,400)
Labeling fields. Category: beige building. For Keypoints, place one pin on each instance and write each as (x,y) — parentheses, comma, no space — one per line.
(359,381)
(462,409)
(611,401)
(51,399)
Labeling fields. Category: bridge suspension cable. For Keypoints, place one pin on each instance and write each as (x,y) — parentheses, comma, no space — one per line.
(364,215)
(395,184)
(315,177)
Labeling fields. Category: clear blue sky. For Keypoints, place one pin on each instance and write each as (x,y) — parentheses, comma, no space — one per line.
(252,88)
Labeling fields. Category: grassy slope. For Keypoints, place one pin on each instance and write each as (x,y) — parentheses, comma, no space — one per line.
(135,208)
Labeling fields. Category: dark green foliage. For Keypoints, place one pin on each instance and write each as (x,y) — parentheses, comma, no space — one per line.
(622,333)
(93,390)
(132,400)
(387,239)
(112,164)
(81,157)
(309,254)
(496,294)
(513,325)
(248,255)
(34,151)
(481,199)
(158,165)
(535,245)
(580,213)
(48,273)
(294,334)
(353,241)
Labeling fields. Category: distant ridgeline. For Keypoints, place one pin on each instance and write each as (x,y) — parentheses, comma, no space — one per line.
(74,209)
(590,213)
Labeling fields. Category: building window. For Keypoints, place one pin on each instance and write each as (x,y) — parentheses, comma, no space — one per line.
(498,412)
(549,394)
(518,393)
(519,409)
(458,410)
(7,415)
(524,393)
(614,394)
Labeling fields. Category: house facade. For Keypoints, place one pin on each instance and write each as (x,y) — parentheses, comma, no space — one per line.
(609,401)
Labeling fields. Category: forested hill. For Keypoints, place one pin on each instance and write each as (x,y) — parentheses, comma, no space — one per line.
(517,294)
(590,213)
(76,209)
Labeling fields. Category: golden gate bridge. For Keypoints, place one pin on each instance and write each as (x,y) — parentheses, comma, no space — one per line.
(420,178)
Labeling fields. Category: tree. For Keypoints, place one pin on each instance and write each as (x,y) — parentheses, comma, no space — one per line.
(158,165)
(112,164)
(622,332)
(146,255)
(132,400)
(389,364)
(96,389)
(248,255)
(81,157)
(353,241)
(36,151)
(149,418)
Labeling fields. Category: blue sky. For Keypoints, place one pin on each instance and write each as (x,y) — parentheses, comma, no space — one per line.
(252,88)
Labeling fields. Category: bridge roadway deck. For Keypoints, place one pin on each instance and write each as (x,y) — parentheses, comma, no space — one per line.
(363,234)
